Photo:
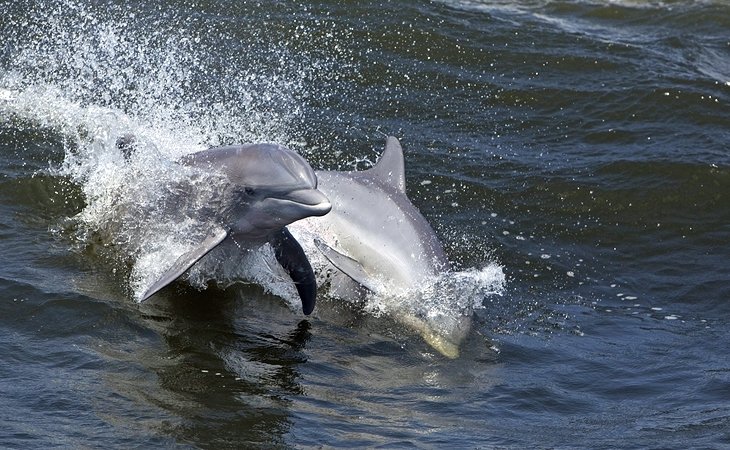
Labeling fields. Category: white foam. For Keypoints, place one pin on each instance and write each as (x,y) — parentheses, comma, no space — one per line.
(6,95)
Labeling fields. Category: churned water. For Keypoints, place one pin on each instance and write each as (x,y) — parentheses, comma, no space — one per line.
(573,157)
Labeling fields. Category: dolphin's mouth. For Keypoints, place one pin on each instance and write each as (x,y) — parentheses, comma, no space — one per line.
(311,202)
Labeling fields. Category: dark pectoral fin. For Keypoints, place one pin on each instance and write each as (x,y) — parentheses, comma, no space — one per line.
(186,261)
(292,258)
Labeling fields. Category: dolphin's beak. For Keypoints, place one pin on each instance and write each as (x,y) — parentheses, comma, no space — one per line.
(313,199)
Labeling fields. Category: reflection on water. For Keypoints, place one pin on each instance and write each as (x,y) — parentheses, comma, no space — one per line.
(230,366)
(226,367)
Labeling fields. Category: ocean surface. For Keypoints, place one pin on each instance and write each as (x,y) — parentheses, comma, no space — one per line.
(573,157)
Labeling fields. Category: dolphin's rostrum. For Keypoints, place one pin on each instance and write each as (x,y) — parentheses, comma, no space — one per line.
(274,187)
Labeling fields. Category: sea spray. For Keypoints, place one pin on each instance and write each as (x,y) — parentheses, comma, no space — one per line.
(96,73)
(439,308)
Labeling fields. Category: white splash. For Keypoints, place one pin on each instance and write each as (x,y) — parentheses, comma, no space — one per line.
(439,309)
(92,75)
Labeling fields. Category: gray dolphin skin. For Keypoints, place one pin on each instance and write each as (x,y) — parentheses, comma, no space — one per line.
(381,237)
(273,187)
(378,238)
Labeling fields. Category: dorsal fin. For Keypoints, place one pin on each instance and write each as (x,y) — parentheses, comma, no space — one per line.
(390,168)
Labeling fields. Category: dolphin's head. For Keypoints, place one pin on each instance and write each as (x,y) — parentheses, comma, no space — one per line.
(274,187)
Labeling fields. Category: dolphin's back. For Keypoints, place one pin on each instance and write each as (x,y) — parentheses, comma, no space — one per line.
(383,212)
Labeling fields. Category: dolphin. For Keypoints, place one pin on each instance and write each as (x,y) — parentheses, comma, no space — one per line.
(381,238)
(272,187)
(378,239)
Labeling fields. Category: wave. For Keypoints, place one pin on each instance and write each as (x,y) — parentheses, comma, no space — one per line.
(627,22)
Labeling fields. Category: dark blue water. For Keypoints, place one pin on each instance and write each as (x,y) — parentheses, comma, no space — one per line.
(573,157)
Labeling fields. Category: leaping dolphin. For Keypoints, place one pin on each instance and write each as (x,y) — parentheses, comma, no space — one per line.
(378,239)
(272,187)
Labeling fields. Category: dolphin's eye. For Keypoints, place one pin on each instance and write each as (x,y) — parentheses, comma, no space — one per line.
(249,191)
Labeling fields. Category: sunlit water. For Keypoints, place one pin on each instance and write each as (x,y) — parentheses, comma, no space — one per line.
(572,157)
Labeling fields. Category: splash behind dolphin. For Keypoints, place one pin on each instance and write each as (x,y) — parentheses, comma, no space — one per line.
(272,187)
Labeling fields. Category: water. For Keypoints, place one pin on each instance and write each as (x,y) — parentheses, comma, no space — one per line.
(579,148)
